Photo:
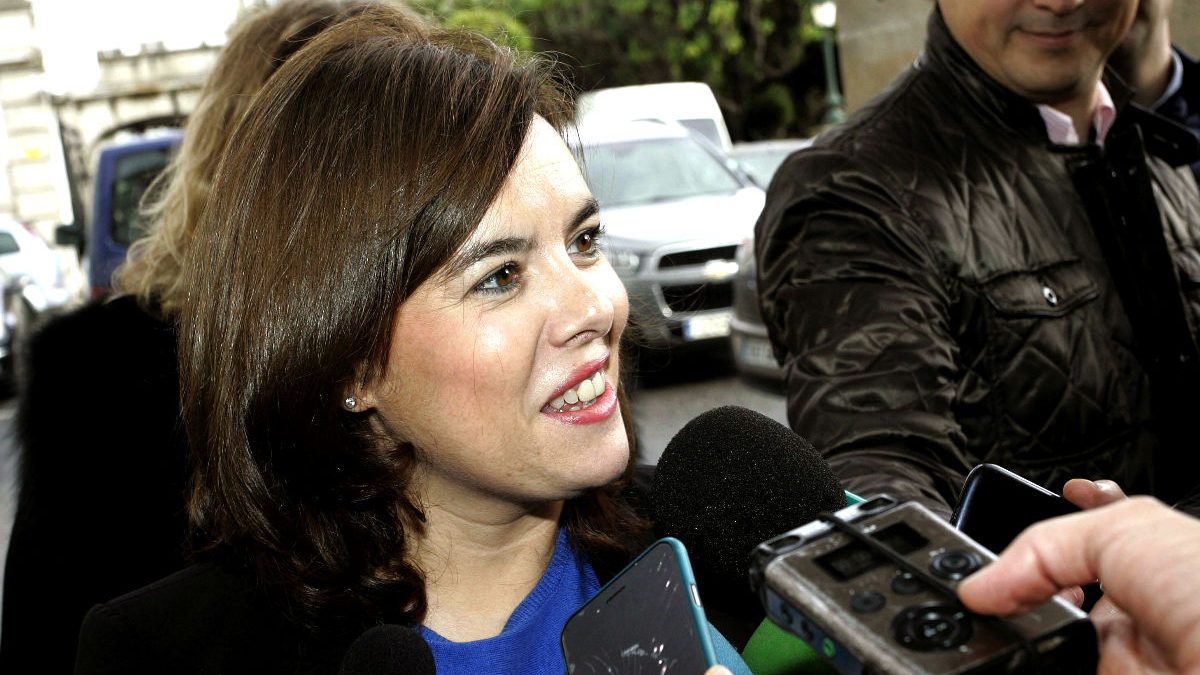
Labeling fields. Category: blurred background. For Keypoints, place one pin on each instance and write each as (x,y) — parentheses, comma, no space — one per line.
(93,95)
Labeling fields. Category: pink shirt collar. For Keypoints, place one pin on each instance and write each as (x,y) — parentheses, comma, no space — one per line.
(1061,129)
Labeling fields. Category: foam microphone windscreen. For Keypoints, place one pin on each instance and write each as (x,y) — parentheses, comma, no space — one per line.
(729,480)
(388,649)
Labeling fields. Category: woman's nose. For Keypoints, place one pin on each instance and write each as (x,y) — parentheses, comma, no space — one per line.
(583,303)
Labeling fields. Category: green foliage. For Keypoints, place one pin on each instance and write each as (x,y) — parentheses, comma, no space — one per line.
(772,111)
(754,53)
(500,26)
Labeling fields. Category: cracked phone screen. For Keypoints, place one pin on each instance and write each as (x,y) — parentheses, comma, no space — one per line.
(642,622)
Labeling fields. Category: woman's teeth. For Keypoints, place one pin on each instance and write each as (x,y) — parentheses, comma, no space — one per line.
(581,395)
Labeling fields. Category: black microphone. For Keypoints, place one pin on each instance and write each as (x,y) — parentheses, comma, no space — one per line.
(388,649)
(729,480)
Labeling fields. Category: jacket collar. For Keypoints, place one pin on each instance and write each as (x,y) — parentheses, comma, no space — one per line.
(1003,108)
(1001,105)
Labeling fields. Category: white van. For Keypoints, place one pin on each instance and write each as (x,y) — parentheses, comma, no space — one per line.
(691,104)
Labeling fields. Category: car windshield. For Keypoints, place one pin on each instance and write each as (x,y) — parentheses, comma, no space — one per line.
(135,173)
(661,169)
(8,244)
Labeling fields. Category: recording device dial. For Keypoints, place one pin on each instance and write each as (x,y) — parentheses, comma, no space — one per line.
(932,626)
(955,564)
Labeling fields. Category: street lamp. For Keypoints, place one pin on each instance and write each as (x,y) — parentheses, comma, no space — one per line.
(824,15)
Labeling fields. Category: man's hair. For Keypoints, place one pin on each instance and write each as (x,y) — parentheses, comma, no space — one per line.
(366,161)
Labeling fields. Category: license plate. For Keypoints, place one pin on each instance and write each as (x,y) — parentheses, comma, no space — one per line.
(707,326)
(757,352)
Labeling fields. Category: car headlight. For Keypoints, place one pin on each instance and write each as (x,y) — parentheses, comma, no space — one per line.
(624,261)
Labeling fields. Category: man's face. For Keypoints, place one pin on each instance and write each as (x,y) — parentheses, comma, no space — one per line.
(1048,51)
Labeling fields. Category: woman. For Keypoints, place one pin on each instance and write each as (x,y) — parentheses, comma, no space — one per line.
(399,373)
(104,460)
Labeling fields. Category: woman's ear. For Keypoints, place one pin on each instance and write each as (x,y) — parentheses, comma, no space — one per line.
(357,399)
(359,393)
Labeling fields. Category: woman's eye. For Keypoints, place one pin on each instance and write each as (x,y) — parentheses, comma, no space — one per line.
(502,280)
(588,242)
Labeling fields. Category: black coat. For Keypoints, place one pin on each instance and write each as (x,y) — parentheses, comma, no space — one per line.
(949,288)
(102,477)
(207,619)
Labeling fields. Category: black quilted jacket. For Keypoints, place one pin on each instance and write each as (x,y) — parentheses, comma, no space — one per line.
(948,288)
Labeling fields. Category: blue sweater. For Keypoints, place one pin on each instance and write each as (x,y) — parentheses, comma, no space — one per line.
(530,642)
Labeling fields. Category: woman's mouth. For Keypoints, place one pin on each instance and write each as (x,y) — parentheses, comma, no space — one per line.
(579,397)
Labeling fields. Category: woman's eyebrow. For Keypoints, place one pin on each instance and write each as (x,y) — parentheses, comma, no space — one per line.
(587,209)
(474,252)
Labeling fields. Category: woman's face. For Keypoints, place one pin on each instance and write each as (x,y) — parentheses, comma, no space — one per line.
(503,366)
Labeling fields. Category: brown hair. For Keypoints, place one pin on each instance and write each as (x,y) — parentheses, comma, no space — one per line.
(256,47)
(362,166)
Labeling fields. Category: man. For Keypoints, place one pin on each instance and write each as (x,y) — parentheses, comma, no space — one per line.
(996,260)
(1163,78)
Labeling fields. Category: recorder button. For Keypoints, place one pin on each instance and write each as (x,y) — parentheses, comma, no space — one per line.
(805,631)
(906,584)
(867,602)
(954,565)
(930,627)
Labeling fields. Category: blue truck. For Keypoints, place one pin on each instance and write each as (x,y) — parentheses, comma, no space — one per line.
(125,168)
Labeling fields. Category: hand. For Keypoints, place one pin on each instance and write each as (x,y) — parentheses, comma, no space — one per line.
(1144,553)
(718,670)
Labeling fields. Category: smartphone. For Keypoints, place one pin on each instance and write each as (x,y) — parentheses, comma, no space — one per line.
(646,620)
(997,505)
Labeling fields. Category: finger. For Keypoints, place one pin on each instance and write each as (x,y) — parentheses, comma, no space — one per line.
(1118,651)
(718,670)
(1125,649)
(1073,595)
(1105,608)
(1088,494)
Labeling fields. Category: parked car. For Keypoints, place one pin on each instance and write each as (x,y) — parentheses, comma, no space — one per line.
(8,361)
(752,352)
(674,209)
(760,159)
(30,264)
(35,282)
(689,104)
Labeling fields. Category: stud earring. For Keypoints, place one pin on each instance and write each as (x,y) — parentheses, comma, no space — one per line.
(350,403)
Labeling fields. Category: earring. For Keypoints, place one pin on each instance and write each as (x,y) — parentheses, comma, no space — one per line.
(350,403)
